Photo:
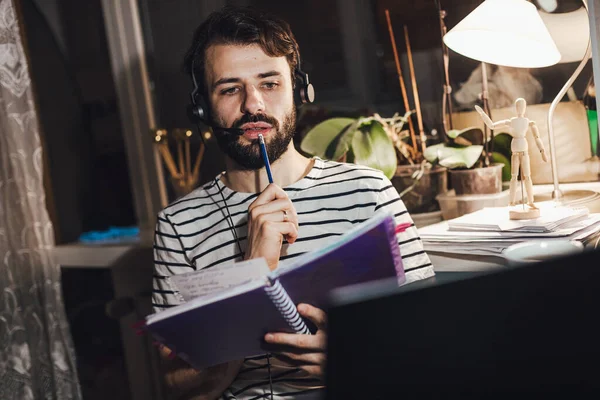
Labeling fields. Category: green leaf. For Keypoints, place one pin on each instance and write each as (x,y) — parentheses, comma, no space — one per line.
(461,157)
(501,158)
(372,147)
(319,138)
(454,157)
(431,153)
(502,143)
(341,144)
(467,136)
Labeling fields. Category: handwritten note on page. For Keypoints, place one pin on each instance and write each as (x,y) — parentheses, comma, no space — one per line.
(204,282)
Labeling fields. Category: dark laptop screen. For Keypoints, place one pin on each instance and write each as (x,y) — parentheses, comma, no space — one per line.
(531,329)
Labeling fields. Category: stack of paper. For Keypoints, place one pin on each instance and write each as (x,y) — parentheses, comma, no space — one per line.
(492,236)
(496,219)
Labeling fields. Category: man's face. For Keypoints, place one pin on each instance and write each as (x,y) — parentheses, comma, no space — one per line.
(249,90)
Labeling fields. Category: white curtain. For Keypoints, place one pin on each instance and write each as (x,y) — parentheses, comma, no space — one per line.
(37,359)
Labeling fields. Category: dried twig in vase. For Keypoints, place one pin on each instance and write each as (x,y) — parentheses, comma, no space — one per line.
(401,80)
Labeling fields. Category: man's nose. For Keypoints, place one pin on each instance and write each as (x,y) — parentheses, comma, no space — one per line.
(253,102)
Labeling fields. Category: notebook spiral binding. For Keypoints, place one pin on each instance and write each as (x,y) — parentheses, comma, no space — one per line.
(286,307)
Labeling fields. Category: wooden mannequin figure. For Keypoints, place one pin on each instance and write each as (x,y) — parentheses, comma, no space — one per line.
(518,127)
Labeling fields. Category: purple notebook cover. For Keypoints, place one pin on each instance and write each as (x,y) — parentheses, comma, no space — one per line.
(227,330)
(372,256)
(233,328)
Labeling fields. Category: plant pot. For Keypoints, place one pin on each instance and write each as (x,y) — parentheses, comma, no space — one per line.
(486,180)
(425,219)
(454,206)
(421,198)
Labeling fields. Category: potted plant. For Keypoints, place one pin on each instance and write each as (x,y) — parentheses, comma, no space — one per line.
(475,176)
(381,143)
(471,170)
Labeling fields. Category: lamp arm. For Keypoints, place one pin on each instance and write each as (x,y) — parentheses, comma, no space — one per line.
(557,193)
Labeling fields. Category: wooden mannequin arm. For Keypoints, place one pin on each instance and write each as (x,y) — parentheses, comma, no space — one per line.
(538,141)
(505,123)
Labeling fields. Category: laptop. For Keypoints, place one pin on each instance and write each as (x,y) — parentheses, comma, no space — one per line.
(530,330)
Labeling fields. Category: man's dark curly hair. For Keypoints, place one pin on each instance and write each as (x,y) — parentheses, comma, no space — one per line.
(241,26)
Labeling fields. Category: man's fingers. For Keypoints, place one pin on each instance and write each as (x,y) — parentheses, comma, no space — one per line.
(276,208)
(296,342)
(287,229)
(270,193)
(314,365)
(277,216)
(316,315)
(314,370)
(298,359)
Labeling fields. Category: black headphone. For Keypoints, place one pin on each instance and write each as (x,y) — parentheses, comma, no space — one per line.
(198,109)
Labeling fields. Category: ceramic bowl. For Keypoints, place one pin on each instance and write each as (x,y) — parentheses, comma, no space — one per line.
(540,250)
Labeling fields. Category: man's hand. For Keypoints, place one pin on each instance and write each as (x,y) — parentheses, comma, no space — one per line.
(304,351)
(184,382)
(270,217)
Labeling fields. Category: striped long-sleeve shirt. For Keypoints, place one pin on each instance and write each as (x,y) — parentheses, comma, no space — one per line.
(195,233)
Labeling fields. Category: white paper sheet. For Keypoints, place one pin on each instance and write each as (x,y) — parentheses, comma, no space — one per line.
(205,282)
(496,219)
(438,238)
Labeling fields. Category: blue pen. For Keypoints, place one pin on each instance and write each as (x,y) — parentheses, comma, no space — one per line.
(263,151)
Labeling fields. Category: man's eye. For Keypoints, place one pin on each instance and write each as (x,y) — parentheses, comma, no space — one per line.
(231,90)
(270,85)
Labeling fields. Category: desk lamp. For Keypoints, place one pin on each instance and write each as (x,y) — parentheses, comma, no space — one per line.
(571,33)
(503,32)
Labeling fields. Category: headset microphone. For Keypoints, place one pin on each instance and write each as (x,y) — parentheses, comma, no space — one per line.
(196,113)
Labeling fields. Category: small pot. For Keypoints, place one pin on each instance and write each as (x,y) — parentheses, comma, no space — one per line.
(486,180)
(421,198)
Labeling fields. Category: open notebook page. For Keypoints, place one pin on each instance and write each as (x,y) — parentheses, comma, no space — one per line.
(204,287)
(222,277)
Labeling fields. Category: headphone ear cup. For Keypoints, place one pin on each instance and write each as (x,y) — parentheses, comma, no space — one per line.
(304,91)
(198,110)
(308,93)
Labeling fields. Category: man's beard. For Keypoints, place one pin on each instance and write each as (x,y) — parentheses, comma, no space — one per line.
(248,156)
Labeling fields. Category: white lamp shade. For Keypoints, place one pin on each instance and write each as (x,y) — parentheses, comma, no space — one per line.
(571,33)
(504,32)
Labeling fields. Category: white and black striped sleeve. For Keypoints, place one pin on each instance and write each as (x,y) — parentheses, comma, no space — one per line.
(169,259)
(416,262)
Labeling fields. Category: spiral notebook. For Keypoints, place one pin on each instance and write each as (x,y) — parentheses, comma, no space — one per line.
(230,324)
